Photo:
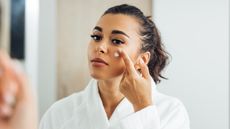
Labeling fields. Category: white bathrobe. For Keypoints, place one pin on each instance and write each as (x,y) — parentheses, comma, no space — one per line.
(84,110)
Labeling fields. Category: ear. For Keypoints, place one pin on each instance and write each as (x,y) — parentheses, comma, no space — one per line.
(145,57)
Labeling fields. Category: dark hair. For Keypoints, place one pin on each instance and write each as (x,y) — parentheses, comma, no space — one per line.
(150,37)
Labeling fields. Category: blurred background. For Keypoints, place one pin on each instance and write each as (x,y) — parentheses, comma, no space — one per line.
(50,38)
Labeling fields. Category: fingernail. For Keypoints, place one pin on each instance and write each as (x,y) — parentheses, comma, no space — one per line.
(141,61)
(119,50)
(116,54)
(9,99)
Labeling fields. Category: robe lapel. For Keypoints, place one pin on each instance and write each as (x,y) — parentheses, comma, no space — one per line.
(125,108)
(96,113)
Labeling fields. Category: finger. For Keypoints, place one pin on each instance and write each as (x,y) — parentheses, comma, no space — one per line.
(8,85)
(24,91)
(123,77)
(128,62)
(8,90)
(6,111)
(144,69)
(13,81)
(5,62)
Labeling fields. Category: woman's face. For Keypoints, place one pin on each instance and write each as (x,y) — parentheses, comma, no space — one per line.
(112,32)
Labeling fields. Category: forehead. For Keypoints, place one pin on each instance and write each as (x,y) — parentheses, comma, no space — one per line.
(125,23)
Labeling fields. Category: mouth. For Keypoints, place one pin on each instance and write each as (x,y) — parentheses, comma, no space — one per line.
(98,62)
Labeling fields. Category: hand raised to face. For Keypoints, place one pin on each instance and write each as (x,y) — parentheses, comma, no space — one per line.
(136,87)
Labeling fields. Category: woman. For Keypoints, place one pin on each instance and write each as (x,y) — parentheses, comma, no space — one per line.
(126,58)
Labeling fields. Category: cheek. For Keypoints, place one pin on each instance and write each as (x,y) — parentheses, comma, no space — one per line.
(132,53)
(118,65)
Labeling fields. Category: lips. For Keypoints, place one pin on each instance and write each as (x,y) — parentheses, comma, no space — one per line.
(99,61)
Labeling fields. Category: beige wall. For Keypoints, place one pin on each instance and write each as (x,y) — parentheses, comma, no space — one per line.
(5,24)
(76,18)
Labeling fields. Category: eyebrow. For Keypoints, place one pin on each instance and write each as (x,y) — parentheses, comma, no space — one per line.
(119,32)
(113,32)
(98,28)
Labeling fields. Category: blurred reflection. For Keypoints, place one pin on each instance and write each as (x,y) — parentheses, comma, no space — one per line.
(17,23)
(12,27)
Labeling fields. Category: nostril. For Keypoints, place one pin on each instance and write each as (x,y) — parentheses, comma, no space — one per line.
(102,49)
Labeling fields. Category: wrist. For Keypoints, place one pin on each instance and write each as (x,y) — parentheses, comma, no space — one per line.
(140,106)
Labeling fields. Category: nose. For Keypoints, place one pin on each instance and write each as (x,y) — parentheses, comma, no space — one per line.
(102,48)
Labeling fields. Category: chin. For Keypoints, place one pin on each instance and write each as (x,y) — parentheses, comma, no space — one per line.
(103,76)
(97,76)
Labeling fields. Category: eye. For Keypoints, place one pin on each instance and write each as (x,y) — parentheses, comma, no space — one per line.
(117,42)
(96,37)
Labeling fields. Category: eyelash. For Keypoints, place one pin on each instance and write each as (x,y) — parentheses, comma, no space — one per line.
(97,38)
(117,42)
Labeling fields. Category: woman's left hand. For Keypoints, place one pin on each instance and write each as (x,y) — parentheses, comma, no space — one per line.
(136,88)
(18,107)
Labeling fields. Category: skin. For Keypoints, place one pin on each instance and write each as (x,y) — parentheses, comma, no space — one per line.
(21,114)
(120,77)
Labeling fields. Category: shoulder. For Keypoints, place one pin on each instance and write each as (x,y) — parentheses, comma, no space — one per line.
(170,108)
(68,104)
(166,100)
(163,101)
(62,111)
(65,109)
(166,103)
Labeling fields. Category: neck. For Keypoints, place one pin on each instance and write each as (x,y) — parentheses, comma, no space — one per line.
(110,94)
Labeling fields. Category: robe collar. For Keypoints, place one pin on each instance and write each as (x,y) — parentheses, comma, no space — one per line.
(95,109)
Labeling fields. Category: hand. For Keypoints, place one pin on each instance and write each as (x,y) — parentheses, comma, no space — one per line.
(136,88)
(17,103)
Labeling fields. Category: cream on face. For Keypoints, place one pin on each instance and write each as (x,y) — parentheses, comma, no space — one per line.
(116,54)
